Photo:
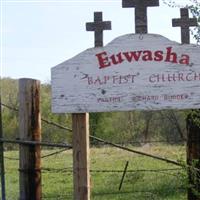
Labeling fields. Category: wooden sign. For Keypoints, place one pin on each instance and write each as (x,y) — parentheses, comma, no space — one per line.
(133,72)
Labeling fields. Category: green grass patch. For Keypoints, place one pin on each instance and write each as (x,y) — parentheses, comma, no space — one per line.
(145,178)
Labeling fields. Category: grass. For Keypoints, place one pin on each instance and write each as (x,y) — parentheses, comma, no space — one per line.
(140,185)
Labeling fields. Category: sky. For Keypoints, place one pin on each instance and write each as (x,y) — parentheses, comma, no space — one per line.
(38,35)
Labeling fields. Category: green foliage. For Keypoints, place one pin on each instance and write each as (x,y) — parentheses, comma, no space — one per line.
(49,132)
(9,93)
(194,117)
(123,127)
(195,10)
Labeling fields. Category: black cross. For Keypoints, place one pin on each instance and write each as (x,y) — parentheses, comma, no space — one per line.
(98,26)
(185,23)
(140,12)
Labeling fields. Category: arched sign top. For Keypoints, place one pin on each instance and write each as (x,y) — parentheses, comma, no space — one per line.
(133,72)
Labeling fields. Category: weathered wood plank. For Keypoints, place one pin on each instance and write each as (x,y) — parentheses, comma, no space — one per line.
(30,129)
(131,73)
(80,125)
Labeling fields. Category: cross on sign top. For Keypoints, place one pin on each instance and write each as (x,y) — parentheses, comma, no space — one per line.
(140,12)
(98,26)
(185,23)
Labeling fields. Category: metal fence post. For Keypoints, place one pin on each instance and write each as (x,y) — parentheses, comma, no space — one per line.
(2,168)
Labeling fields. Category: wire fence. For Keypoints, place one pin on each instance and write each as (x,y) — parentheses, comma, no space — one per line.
(142,176)
(145,178)
(54,124)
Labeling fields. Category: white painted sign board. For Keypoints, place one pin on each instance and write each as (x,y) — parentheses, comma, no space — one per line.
(133,72)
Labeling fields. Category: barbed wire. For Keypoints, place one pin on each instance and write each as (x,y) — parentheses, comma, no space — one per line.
(43,119)
(69,170)
(54,153)
(140,142)
(48,144)
(45,156)
(110,171)
(93,143)
(95,138)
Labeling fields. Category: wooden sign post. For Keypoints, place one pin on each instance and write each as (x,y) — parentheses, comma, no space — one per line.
(193,129)
(81,156)
(80,125)
(30,130)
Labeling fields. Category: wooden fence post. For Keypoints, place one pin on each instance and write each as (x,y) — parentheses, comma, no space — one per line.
(30,129)
(80,124)
(193,154)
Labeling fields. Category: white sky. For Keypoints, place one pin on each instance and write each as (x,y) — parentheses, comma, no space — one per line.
(37,35)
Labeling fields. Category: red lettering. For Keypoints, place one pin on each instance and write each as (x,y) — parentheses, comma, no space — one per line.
(117,59)
(147,56)
(171,56)
(103,60)
(158,56)
(132,56)
(185,59)
(106,60)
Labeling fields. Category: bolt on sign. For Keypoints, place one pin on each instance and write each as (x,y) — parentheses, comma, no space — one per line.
(133,72)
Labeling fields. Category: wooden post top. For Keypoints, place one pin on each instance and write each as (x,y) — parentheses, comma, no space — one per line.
(140,12)
(185,23)
(98,26)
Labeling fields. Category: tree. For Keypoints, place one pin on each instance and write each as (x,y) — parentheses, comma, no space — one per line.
(176,120)
(9,92)
(194,8)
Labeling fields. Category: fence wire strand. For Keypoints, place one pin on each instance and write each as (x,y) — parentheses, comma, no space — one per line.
(100,142)
(92,137)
